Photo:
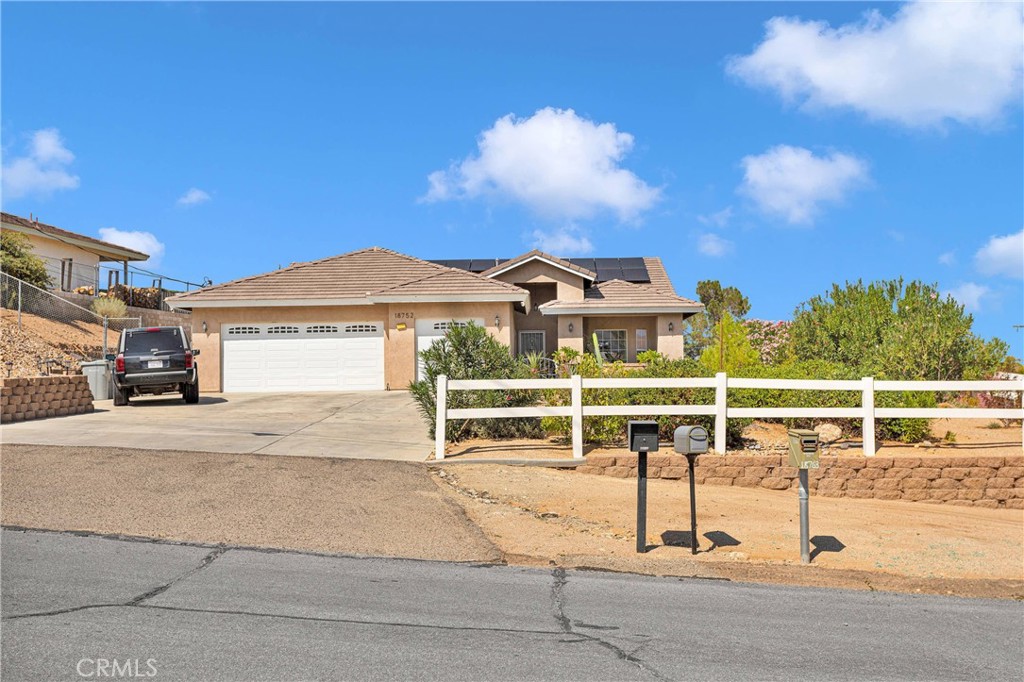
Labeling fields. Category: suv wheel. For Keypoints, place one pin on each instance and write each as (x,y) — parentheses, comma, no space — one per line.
(191,393)
(120,396)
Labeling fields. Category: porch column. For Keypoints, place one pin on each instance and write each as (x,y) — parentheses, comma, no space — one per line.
(670,336)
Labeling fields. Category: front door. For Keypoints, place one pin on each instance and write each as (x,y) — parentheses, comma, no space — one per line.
(531,342)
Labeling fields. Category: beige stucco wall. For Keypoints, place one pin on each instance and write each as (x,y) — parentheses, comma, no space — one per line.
(83,269)
(573,339)
(670,343)
(399,345)
(569,287)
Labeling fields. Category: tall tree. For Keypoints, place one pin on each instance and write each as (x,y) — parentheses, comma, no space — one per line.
(892,330)
(717,300)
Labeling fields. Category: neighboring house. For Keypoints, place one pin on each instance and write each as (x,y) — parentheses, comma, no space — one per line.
(359,320)
(72,260)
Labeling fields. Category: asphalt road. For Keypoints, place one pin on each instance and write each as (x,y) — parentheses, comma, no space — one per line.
(171,612)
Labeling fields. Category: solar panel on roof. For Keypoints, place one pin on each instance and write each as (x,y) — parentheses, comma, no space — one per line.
(585,263)
(461,263)
(606,273)
(632,263)
(635,275)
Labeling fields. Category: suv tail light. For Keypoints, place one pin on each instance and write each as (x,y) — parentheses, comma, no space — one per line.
(188,359)
(119,364)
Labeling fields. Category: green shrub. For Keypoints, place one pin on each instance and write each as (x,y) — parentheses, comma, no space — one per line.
(18,260)
(471,353)
(109,307)
(904,429)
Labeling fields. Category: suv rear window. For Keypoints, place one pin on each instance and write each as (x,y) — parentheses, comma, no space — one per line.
(142,341)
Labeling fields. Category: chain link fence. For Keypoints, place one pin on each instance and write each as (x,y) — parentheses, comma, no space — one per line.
(44,334)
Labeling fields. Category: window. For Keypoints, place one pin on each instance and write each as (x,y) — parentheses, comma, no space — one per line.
(444,326)
(322,329)
(360,328)
(283,329)
(612,344)
(641,340)
(243,331)
(531,342)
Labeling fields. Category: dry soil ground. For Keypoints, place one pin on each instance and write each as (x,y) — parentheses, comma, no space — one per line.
(531,516)
(39,338)
(536,515)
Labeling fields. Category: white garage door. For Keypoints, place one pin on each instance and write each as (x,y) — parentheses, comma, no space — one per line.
(303,357)
(429,331)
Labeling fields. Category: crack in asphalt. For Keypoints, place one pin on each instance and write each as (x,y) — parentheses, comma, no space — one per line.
(160,589)
(558,603)
(134,601)
(288,435)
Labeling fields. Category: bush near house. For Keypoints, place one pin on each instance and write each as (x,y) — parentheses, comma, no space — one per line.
(17,260)
(471,353)
(109,307)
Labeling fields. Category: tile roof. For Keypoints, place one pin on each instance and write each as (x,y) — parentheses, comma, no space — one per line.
(103,248)
(509,264)
(357,275)
(658,276)
(616,294)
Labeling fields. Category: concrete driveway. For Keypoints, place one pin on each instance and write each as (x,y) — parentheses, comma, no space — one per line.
(366,425)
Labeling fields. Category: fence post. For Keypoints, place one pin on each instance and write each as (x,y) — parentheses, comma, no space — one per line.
(576,400)
(441,414)
(868,428)
(721,411)
(19,304)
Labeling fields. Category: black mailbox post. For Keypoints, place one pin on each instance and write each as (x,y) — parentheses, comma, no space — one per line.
(642,437)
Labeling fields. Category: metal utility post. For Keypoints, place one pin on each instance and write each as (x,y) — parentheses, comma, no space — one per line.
(105,324)
(19,304)
(805,544)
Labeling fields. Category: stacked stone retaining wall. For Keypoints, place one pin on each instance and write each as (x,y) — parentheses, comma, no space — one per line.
(40,397)
(975,481)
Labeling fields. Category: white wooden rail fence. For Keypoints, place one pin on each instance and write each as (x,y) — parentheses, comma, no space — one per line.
(720,409)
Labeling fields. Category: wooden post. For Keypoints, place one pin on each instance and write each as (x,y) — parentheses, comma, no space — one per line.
(576,400)
(867,401)
(721,411)
(441,414)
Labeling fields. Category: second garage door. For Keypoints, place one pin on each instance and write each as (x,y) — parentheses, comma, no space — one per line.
(291,357)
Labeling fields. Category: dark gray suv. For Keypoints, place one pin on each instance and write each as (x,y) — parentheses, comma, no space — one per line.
(154,361)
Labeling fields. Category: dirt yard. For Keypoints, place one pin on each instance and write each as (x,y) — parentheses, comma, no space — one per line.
(40,338)
(538,515)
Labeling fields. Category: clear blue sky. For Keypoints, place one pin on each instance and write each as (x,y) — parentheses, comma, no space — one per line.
(781,159)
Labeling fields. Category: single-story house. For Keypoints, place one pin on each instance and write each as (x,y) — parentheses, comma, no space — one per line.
(358,321)
(72,260)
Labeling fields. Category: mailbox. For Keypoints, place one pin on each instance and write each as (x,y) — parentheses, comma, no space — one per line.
(691,440)
(642,436)
(803,449)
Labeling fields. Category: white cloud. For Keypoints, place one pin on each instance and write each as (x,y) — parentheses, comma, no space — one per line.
(930,62)
(146,242)
(947,258)
(43,170)
(564,241)
(970,295)
(555,163)
(718,218)
(713,246)
(192,197)
(792,182)
(1002,256)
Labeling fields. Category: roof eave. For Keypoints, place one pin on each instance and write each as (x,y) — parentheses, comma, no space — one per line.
(503,268)
(511,297)
(115,253)
(622,310)
(187,303)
